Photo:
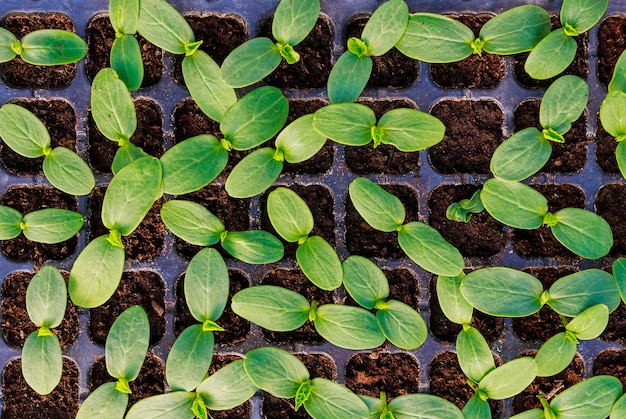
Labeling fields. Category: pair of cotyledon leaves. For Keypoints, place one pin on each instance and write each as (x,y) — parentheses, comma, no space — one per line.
(49,225)
(43,47)
(125,57)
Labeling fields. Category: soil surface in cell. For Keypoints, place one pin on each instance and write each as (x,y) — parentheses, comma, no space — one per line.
(616,328)
(612,42)
(611,362)
(610,206)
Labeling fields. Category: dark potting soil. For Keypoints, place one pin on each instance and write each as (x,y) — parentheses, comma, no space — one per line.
(145,243)
(610,206)
(58,117)
(100,36)
(19,401)
(384,159)
(320,200)
(473,131)
(220,34)
(236,328)
(17,73)
(611,362)
(149,382)
(612,42)
(295,280)
(319,365)
(616,328)
(482,236)
(28,199)
(244,410)
(605,149)
(392,69)
(579,66)
(567,157)
(482,72)
(446,331)
(316,51)
(541,242)
(144,288)
(148,136)
(232,212)
(16,325)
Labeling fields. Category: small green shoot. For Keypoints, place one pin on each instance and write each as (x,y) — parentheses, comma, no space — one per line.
(125,52)
(165,27)
(49,225)
(613,119)
(45,47)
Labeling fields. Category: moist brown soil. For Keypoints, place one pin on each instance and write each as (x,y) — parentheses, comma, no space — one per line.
(295,280)
(612,42)
(363,240)
(610,206)
(320,201)
(100,36)
(244,410)
(384,159)
(149,382)
(473,131)
(236,328)
(567,157)
(616,328)
(17,73)
(145,243)
(448,381)
(541,242)
(482,72)
(606,145)
(148,136)
(144,288)
(19,401)
(316,51)
(392,69)
(446,331)
(28,199)
(611,362)
(579,66)
(546,323)
(319,365)
(232,212)
(58,117)
(220,34)
(16,325)
(482,236)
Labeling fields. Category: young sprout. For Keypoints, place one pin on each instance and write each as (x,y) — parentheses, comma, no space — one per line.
(165,27)
(257,58)
(125,350)
(125,52)
(49,225)
(43,47)
(42,360)
(436,38)
(411,406)
(462,211)
(25,134)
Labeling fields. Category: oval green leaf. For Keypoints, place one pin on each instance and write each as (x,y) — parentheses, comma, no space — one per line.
(555,355)
(348,327)
(619,274)
(294,19)
(227,388)
(105,402)
(410,130)
(298,141)
(509,379)
(402,325)
(192,222)
(590,323)
(125,155)
(189,358)
(52,47)
(477,408)
(582,15)
(424,406)
(176,404)
(127,343)
(331,400)
(289,214)
(126,60)
(551,56)
(52,225)
(46,297)
(612,113)
(618,80)
(66,171)
(7,39)
(382,210)
(619,408)
(365,281)
(520,156)
(124,16)
(42,362)
(254,173)
(10,223)
(320,263)
(563,103)
(112,107)
(599,394)
(164,26)
(514,204)
(385,27)
(253,246)
(583,232)
(516,30)
(454,306)
(276,371)
(206,285)
(348,77)
(271,307)
(572,294)
(620,156)
(250,62)
(23,132)
(474,355)
(345,123)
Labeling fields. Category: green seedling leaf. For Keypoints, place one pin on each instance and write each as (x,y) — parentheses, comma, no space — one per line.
(590,323)
(176,404)
(320,263)
(385,27)
(508,379)
(272,307)
(454,306)
(619,274)
(250,62)
(619,408)
(130,195)
(551,56)
(374,405)
(382,210)
(289,214)
(348,327)
(514,204)
(189,358)
(294,19)
(7,39)
(276,371)
(298,141)
(227,388)
(555,355)
(563,103)
(202,77)
(106,402)
(206,285)
(477,408)
(23,132)
(112,107)
(331,400)
(256,118)
(42,362)
(365,281)
(253,246)
(503,292)
(572,294)
(345,123)
(165,27)
(96,273)
(425,246)
(474,354)
(522,155)
(125,155)
(192,164)
(52,47)
(599,393)
(410,130)
(127,344)
(51,225)
(423,406)
(124,16)
(348,77)
(66,171)
(516,30)
(126,60)
(10,223)
(254,173)
(46,298)
(434,38)
(618,80)
(530,414)
(192,222)
(578,16)
(402,325)
(612,114)
(620,156)
(583,232)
